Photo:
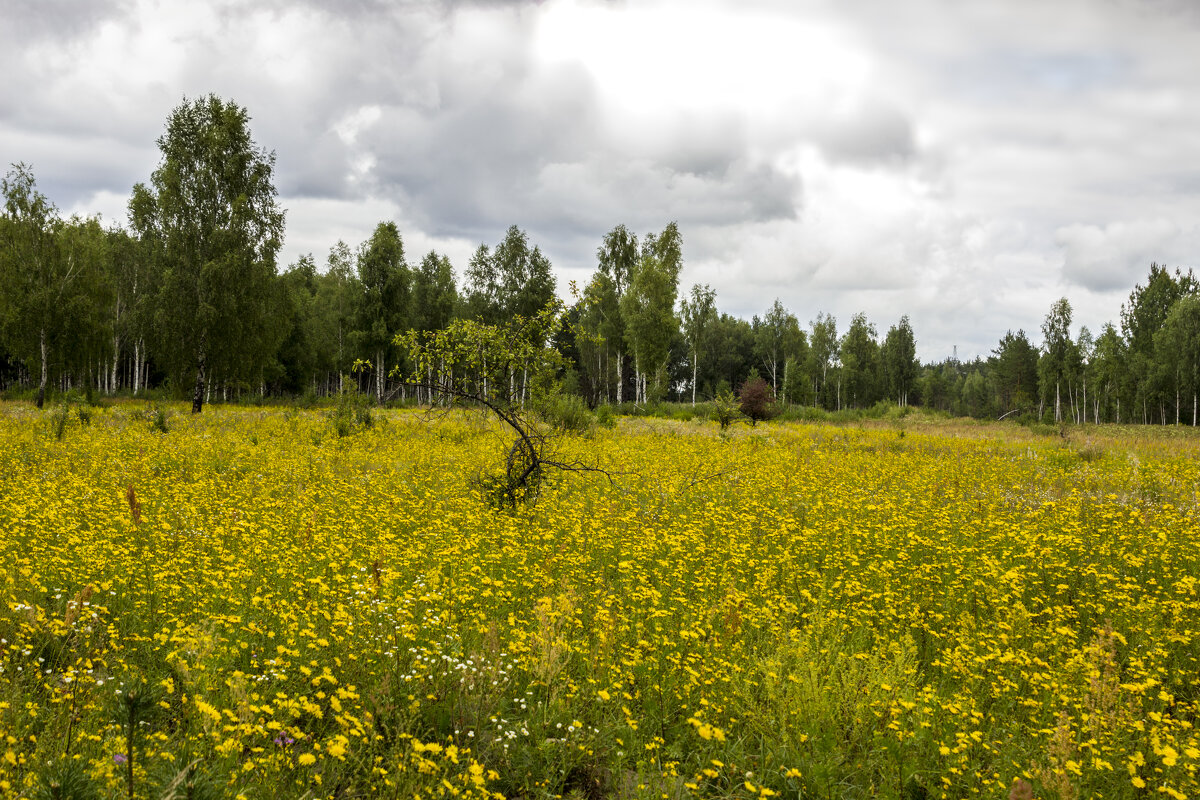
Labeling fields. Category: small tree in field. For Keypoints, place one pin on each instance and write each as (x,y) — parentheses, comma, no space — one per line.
(469,363)
(757,400)
(725,409)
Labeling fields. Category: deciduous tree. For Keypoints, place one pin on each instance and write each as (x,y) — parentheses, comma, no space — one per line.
(698,314)
(384,307)
(212,208)
(648,308)
(899,360)
(37,276)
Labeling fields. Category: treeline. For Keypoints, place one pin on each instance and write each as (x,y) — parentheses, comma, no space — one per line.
(188,300)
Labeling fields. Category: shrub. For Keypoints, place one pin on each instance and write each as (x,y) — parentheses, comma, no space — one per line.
(159,418)
(684,414)
(605,416)
(796,413)
(58,420)
(725,409)
(567,413)
(757,400)
(352,411)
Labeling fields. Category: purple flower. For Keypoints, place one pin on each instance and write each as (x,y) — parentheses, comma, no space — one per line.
(120,758)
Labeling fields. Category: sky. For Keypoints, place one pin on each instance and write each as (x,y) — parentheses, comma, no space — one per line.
(963,162)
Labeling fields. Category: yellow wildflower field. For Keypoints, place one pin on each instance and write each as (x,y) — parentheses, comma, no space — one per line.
(251,605)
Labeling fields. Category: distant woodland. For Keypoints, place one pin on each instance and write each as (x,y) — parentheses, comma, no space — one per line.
(187,300)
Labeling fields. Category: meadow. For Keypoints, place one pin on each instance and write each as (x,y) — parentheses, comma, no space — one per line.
(250,604)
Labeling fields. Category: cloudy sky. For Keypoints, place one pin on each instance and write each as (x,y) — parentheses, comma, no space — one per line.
(963,162)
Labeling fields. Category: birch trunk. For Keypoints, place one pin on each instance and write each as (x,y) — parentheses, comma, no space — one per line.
(41,393)
(620,377)
(198,392)
(378,376)
(694,368)
(137,365)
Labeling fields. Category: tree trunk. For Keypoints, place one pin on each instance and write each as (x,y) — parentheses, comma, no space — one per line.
(620,377)
(694,367)
(198,393)
(1057,405)
(41,393)
(137,365)
(378,376)
(112,381)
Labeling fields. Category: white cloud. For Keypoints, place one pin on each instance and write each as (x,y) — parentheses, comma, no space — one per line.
(964,163)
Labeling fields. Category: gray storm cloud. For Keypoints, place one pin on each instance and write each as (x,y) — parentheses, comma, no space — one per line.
(966,164)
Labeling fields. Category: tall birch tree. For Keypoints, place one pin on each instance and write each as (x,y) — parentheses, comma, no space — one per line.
(212,208)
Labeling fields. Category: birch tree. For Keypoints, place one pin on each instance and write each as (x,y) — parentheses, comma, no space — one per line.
(35,278)
(618,258)
(698,314)
(899,357)
(386,283)
(211,207)
(772,335)
(1178,344)
(1057,353)
(648,308)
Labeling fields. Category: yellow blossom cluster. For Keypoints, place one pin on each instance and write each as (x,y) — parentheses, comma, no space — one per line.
(251,604)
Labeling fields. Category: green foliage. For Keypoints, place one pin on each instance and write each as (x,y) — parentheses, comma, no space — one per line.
(725,409)
(472,362)
(605,416)
(352,412)
(49,286)
(500,368)
(859,353)
(823,353)
(698,314)
(58,420)
(567,413)
(1013,365)
(384,306)
(648,305)
(508,281)
(211,218)
(777,336)
(66,779)
(898,357)
(160,418)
